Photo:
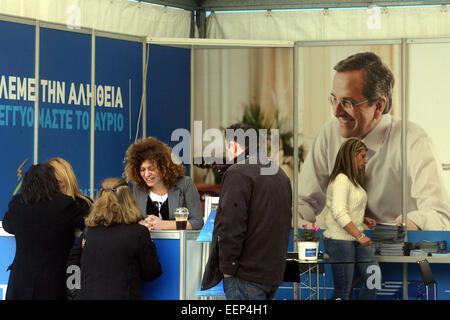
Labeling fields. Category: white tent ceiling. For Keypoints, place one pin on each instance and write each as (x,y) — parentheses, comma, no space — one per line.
(234,19)
(200,7)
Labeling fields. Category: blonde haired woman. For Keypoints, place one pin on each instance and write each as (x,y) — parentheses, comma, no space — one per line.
(68,182)
(344,217)
(115,251)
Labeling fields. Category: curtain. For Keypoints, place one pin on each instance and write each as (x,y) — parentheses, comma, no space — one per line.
(373,23)
(228,80)
(120,16)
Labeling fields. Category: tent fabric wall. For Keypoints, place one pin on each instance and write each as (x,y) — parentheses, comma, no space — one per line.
(120,16)
(321,25)
(124,16)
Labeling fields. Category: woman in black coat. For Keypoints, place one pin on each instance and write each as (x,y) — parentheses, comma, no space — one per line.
(115,252)
(43,221)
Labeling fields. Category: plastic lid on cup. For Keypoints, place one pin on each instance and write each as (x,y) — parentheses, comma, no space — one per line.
(182,210)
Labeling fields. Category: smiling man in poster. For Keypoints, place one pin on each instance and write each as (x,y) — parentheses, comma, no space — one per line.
(361,99)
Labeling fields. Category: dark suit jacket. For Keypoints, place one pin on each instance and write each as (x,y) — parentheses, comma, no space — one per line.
(182,194)
(114,260)
(252,226)
(44,233)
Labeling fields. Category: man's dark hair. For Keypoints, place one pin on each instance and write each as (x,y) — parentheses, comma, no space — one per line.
(243,134)
(39,183)
(379,80)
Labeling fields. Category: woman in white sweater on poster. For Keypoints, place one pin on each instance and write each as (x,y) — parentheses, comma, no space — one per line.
(344,239)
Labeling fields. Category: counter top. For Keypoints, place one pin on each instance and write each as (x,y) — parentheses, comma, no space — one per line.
(175,234)
(387,259)
(3,233)
(412,259)
(158,234)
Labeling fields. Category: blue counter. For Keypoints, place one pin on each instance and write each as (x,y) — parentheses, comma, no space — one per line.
(179,253)
(182,259)
(392,273)
(180,256)
(7,252)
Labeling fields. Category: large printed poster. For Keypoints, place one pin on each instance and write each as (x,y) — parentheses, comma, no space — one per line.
(334,78)
(119,95)
(17,91)
(169,94)
(65,100)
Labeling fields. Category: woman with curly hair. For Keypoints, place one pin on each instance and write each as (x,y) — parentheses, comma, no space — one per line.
(160,186)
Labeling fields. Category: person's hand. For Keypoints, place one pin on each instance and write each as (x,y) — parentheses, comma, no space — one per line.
(144,223)
(371,223)
(409,225)
(155,223)
(227,275)
(365,241)
(299,218)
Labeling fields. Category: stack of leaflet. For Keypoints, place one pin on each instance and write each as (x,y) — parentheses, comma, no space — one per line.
(389,249)
(388,232)
(389,239)
(428,246)
(418,253)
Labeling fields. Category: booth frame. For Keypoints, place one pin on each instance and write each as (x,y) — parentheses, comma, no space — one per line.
(194,44)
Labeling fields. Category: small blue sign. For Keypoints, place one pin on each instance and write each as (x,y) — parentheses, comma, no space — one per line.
(208,228)
(310,252)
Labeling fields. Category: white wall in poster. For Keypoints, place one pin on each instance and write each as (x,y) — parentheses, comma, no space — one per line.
(429,90)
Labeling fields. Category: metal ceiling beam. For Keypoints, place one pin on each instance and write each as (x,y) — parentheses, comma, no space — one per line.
(236,5)
(181,4)
(233,5)
(200,19)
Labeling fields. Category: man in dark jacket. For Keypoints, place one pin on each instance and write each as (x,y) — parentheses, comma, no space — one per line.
(252,225)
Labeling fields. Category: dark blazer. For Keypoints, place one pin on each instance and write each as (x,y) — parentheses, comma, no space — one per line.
(44,233)
(182,194)
(85,205)
(114,260)
(252,227)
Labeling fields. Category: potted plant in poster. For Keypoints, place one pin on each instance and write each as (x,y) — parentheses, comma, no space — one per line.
(308,243)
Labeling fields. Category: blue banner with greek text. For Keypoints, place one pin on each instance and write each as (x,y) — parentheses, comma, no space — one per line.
(118,66)
(169,94)
(17,91)
(65,99)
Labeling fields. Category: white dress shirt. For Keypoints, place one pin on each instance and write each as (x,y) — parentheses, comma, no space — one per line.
(428,199)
